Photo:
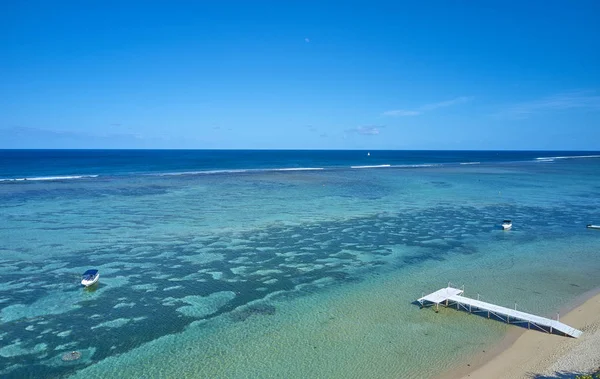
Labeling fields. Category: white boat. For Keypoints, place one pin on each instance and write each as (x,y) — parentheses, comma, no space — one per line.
(506,224)
(590,226)
(90,277)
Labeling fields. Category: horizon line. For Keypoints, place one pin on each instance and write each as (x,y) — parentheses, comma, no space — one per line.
(283,149)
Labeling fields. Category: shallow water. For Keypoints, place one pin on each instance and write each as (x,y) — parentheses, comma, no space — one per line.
(285,273)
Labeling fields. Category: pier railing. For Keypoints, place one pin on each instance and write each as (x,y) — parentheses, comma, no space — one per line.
(451,296)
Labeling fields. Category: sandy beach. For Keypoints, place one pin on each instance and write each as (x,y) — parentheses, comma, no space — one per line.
(532,354)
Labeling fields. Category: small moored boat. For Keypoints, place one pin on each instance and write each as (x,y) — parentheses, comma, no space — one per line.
(590,226)
(506,224)
(90,277)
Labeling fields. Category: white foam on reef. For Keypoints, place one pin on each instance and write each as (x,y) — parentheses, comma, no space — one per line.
(201,306)
(236,171)
(567,157)
(469,163)
(48,178)
(415,165)
(207,172)
(372,166)
(299,169)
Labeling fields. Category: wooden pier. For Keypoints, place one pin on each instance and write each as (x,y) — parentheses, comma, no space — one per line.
(450,296)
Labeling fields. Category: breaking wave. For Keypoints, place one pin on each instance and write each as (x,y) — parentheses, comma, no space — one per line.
(48,178)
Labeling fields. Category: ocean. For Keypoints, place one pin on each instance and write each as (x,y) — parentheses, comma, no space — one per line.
(271,264)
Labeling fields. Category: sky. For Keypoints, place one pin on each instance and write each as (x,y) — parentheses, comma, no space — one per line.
(300,75)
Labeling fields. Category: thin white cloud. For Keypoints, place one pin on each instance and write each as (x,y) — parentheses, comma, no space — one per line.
(559,102)
(401,112)
(38,138)
(447,103)
(427,107)
(366,130)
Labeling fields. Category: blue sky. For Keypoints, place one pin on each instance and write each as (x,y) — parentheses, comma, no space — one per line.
(300,75)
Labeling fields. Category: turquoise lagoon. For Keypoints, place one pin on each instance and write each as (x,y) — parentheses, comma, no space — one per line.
(265,273)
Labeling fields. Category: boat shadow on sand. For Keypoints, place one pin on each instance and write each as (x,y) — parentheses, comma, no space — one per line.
(91,289)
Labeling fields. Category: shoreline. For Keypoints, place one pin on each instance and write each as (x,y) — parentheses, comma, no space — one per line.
(526,353)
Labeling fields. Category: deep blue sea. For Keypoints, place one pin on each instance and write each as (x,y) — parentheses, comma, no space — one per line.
(65,164)
(281,264)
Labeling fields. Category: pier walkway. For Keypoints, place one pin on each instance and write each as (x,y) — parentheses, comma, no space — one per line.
(453,296)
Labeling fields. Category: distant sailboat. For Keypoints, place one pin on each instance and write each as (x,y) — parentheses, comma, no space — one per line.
(368,154)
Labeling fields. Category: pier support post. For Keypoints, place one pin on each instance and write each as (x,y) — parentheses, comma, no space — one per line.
(442,297)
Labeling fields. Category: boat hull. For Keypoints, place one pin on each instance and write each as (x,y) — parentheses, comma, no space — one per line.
(91,282)
(507,227)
